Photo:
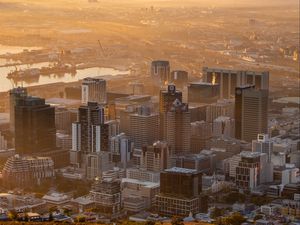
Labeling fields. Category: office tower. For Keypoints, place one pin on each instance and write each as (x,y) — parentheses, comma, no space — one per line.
(96,163)
(179,127)
(156,157)
(93,90)
(204,163)
(106,194)
(263,145)
(64,118)
(183,186)
(144,127)
(14,95)
(251,112)
(198,111)
(90,140)
(166,99)
(34,126)
(160,72)
(25,171)
(201,132)
(121,148)
(113,128)
(230,79)
(179,78)
(200,92)
(223,127)
(253,170)
(223,107)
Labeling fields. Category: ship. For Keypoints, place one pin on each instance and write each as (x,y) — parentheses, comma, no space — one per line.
(23,74)
(57,69)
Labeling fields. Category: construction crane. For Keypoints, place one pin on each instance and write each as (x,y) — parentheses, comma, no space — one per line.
(101,48)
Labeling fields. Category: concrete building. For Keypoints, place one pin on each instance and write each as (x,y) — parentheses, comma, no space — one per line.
(142,175)
(96,163)
(253,170)
(223,107)
(93,90)
(179,78)
(160,71)
(132,188)
(224,127)
(144,128)
(156,157)
(64,118)
(251,112)
(185,198)
(200,92)
(166,100)
(121,148)
(179,128)
(107,197)
(263,145)
(286,174)
(230,79)
(25,171)
(201,132)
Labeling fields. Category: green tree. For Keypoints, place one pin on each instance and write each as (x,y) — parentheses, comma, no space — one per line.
(13,215)
(176,221)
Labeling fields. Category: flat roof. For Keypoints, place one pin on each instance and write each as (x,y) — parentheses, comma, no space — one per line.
(181,170)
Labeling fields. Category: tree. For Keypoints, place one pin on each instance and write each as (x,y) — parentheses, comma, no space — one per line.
(235,219)
(176,221)
(217,212)
(13,215)
(150,222)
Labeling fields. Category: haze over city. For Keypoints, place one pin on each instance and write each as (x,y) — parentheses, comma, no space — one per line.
(150,112)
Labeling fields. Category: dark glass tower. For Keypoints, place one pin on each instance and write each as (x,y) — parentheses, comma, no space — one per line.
(34,126)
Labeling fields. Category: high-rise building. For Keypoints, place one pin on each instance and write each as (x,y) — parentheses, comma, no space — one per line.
(106,194)
(121,148)
(14,95)
(180,192)
(160,71)
(230,79)
(34,126)
(251,112)
(156,157)
(90,137)
(223,107)
(263,145)
(64,118)
(179,128)
(166,99)
(200,92)
(179,78)
(93,90)
(253,170)
(201,132)
(144,127)
(223,127)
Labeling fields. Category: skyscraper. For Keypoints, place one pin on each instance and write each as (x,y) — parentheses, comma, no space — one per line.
(230,79)
(160,71)
(89,135)
(251,112)
(178,127)
(166,99)
(34,126)
(93,90)
(156,157)
(14,95)
(144,127)
(200,92)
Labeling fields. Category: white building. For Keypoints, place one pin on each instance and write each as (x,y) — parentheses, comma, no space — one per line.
(93,90)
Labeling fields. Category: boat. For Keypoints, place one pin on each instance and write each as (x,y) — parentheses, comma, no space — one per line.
(22,74)
(58,68)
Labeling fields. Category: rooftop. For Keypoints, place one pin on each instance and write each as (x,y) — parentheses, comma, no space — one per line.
(181,170)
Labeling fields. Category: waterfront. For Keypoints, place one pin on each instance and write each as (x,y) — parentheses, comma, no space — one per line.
(6,84)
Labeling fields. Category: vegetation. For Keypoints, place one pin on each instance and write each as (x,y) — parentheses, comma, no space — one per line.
(234,219)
